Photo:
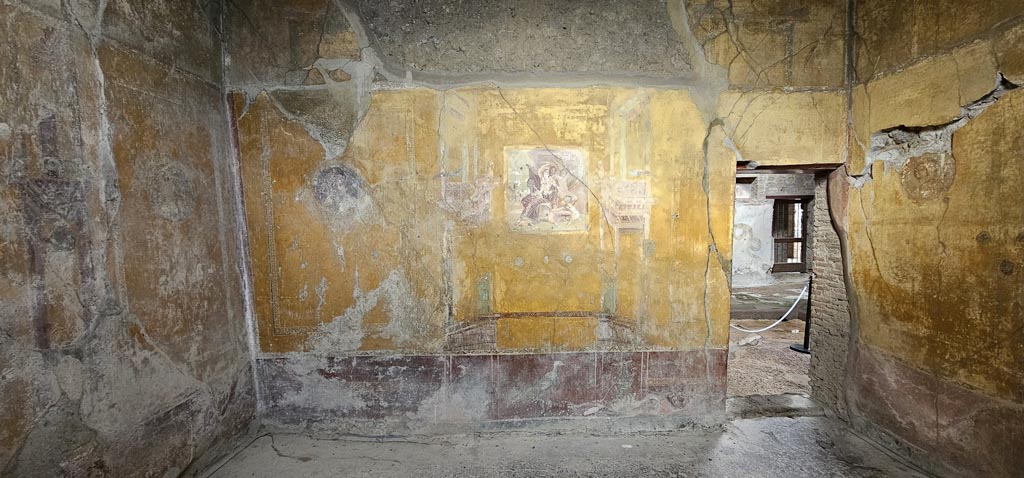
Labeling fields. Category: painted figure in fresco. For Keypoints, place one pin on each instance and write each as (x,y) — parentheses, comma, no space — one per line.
(53,208)
(566,211)
(549,198)
(546,190)
(537,203)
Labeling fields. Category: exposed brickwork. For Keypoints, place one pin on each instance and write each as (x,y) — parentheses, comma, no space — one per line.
(830,314)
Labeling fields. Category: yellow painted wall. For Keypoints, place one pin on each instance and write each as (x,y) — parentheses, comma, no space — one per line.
(424,250)
(786,99)
(778,128)
(937,244)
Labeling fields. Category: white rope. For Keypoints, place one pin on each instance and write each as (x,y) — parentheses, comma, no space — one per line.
(777,322)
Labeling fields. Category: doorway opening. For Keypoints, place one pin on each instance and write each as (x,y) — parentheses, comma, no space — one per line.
(772,259)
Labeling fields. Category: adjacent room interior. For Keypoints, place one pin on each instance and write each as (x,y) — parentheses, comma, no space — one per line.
(327,238)
(772,265)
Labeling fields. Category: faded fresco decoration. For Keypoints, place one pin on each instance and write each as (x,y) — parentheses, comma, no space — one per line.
(470,200)
(402,244)
(546,190)
(628,205)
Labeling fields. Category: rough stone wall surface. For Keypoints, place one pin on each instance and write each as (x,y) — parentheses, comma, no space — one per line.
(935,265)
(122,339)
(533,36)
(830,314)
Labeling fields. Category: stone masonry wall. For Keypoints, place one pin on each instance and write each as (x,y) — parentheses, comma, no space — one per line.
(830,314)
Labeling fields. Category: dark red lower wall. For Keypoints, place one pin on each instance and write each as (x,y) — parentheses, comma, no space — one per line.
(943,426)
(395,394)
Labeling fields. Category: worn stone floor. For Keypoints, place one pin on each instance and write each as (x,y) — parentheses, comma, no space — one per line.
(760,447)
(761,363)
(769,301)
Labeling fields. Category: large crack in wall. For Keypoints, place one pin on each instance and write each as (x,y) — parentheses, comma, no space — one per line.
(931,240)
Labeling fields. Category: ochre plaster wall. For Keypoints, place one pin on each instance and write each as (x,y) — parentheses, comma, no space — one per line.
(786,102)
(936,232)
(420,257)
(390,282)
(412,256)
(382,213)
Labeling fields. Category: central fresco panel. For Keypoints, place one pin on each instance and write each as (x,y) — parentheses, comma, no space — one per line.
(546,190)
(475,242)
(482,220)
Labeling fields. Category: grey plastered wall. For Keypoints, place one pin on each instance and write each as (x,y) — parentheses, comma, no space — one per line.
(751,237)
(122,338)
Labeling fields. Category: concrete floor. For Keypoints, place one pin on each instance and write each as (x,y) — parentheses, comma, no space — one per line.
(761,447)
(762,363)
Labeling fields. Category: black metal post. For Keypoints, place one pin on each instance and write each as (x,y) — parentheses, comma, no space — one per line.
(805,348)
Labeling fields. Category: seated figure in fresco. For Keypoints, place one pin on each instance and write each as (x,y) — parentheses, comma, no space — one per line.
(537,204)
(566,211)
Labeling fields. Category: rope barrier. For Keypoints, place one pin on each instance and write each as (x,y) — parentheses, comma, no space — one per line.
(777,322)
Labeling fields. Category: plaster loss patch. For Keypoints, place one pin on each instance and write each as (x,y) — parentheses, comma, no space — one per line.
(926,151)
